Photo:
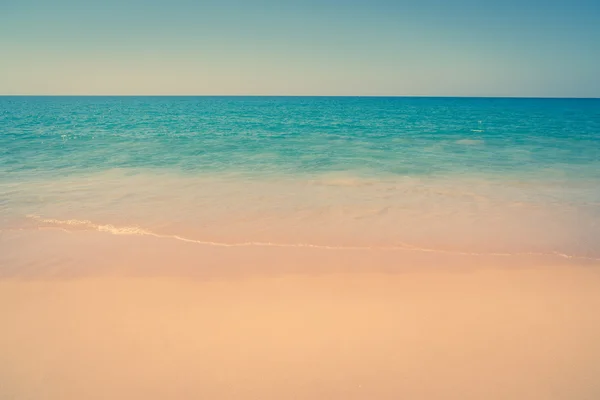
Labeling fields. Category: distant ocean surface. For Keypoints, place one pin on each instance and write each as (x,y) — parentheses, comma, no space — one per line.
(456,175)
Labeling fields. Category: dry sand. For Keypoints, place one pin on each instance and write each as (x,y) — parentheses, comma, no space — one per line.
(488,333)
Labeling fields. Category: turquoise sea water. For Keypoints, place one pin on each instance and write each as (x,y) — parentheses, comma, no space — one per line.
(455,174)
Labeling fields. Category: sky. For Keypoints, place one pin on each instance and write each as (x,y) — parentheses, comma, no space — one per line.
(330,47)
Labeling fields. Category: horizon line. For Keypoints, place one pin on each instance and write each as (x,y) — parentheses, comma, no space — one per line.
(302,95)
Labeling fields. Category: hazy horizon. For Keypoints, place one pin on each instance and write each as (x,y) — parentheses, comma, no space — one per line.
(304,95)
(460,48)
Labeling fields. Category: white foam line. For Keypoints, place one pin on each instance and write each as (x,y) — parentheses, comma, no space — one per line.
(136,231)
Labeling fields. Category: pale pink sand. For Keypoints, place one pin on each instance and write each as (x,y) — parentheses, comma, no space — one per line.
(487,333)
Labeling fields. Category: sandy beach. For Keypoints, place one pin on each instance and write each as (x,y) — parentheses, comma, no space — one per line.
(417,333)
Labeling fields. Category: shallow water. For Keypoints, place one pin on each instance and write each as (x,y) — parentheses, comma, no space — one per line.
(449,175)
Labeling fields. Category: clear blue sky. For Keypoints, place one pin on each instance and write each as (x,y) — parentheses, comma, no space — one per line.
(375,47)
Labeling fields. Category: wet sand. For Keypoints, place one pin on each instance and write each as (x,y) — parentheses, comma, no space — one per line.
(439,333)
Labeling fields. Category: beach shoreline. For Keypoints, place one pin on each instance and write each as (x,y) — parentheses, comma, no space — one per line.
(299,248)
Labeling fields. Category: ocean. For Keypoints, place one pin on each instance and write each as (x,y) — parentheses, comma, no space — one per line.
(502,177)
